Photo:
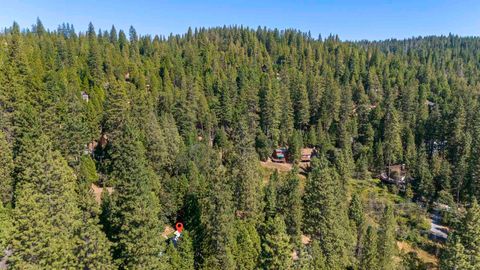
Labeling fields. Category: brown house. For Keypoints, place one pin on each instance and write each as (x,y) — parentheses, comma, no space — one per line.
(307,154)
(394,174)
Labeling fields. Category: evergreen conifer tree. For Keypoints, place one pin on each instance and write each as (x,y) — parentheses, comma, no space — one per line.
(454,256)
(270,200)
(470,234)
(386,239)
(6,227)
(369,259)
(289,202)
(276,247)
(317,258)
(93,248)
(322,213)
(423,176)
(46,214)
(134,218)
(248,246)
(357,216)
(392,131)
(218,222)
(6,169)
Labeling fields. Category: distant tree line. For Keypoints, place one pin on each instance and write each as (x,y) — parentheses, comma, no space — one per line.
(181,122)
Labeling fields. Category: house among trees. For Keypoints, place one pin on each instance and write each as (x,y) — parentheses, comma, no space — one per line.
(283,155)
(103,141)
(279,155)
(85,96)
(394,174)
(429,103)
(307,154)
(90,147)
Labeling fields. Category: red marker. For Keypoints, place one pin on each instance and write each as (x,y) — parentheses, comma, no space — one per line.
(179,227)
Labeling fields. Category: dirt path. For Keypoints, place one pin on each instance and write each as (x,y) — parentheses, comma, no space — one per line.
(286,167)
(281,167)
(97,192)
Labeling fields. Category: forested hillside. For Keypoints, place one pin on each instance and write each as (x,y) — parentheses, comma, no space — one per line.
(175,128)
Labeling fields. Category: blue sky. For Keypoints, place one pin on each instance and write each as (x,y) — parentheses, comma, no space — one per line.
(351,20)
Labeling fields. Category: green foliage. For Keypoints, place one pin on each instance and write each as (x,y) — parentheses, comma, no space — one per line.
(301,106)
(217,218)
(6,226)
(323,211)
(455,256)
(49,231)
(423,176)
(412,262)
(93,249)
(317,261)
(248,247)
(182,120)
(295,144)
(263,146)
(362,167)
(270,198)
(387,244)
(289,205)
(135,210)
(248,185)
(369,259)
(6,169)
(357,217)
(181,257)
(355,211)
(286,116)
(469,234)
(87,170)
(392,142)
(276,247)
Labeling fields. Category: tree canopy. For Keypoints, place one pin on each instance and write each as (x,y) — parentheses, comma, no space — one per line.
(109,138)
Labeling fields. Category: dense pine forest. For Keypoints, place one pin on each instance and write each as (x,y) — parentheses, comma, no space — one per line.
(182,129)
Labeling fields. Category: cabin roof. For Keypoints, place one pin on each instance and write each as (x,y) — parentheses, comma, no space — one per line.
(307,151)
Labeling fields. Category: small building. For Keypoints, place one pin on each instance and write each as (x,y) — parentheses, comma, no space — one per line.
(394,174)
(90,147)
(307,154)
(279,155)
(85,96)
(103,140)
(429,103)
